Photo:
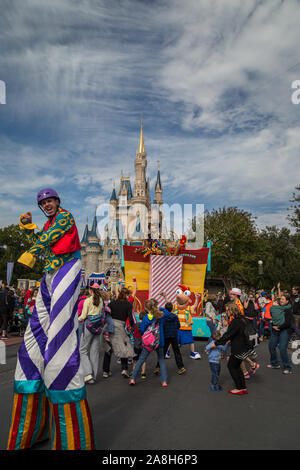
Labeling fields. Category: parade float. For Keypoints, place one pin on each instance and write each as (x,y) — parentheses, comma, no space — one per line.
(160,266)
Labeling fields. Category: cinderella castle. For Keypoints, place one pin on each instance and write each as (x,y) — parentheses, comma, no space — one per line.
(103,256)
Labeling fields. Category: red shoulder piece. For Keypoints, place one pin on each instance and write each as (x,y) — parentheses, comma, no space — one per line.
(68,243)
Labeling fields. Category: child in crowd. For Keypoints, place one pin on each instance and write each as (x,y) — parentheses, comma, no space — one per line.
(31,303)
(137,345)
(153,317)
(171,327)
(109,330)
(214,358)
(222,329)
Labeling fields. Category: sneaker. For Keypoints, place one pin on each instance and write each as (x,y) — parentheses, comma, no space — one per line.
(195,355)
(164,384)
(156,371)
(132,382)
(125,374)
(269,366)
(144,376)
(216,388)
(130,361)
(287,372)
(118,361)
(89,379)
(254,369)
(181,371)
(106,375)
(168,355)
(247,375)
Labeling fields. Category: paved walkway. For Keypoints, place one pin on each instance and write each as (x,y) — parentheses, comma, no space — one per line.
(186,415)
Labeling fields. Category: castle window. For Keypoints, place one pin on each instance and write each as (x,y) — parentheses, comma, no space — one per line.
(117,253)
(109,254)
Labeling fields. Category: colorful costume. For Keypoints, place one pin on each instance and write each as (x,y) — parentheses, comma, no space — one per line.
(50,394)
(184,310)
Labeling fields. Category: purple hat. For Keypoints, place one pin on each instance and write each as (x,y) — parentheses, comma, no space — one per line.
(45,193)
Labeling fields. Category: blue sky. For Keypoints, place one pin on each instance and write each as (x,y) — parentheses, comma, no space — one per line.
(212,80)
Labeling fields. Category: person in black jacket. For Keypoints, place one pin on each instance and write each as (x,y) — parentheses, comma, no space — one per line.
(240,348)
(251,312)
(171,326)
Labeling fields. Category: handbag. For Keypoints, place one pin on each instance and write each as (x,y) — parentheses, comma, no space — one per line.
(95,323)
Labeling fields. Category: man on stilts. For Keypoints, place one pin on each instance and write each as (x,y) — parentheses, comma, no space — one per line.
(49,393)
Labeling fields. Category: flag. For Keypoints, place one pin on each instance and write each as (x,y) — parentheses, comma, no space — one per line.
(9,271)
(165,275)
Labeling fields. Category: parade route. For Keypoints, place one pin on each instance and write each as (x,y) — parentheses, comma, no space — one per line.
(186,415)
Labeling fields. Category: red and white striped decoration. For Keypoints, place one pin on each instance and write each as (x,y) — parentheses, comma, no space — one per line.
(165,275)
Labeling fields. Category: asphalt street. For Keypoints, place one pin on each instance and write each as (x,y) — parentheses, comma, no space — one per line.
(186,415)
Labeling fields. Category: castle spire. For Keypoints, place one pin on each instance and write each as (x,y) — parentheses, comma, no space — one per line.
(141,142)
(158,181)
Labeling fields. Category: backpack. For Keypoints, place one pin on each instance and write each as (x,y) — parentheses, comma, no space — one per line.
(151,337)
(95,323)
(250,334)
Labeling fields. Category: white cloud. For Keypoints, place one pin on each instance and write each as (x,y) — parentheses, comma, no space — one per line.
(212,78)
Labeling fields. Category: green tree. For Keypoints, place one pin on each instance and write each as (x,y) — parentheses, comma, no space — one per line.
(234,238)
(13,243)
(280,252)
(294,216)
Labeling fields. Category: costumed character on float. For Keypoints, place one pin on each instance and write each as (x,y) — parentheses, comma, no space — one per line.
(49,391)
(184,310)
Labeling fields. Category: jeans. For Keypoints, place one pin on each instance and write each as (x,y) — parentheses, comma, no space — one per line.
(80,329)
(109,324)
(280,339)
(176,350)
(211,326)
(215,368)
(262,326)
(143,357)
(294,326)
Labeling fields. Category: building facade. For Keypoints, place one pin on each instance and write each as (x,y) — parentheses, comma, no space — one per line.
(132,216)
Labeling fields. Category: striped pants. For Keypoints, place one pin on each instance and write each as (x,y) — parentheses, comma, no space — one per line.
(50,394)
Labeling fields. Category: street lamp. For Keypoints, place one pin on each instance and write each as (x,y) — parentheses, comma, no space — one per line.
(260,273)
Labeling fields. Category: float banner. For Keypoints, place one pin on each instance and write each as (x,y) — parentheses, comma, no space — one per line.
(194,262)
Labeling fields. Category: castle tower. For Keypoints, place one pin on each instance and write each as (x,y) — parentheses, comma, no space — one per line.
(158,188)
(141,192)
(156,222)
(92,249)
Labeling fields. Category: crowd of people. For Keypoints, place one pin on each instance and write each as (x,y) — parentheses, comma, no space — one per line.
(107,324)
(237,323)
(251,318)
(16,306)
